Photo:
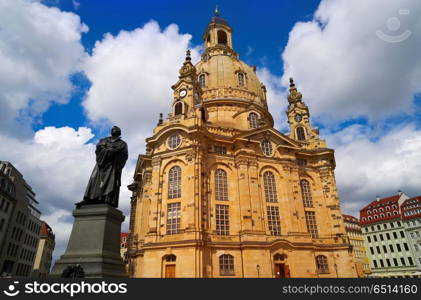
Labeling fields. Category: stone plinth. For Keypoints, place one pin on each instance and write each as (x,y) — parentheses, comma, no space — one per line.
(94,243)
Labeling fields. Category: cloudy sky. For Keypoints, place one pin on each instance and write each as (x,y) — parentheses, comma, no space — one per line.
(70,69)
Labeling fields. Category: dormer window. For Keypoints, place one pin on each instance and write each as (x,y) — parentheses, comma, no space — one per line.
(202,80)
(241,79)
(253,120)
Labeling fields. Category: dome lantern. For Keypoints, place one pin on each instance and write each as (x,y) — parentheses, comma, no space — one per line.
(218,32)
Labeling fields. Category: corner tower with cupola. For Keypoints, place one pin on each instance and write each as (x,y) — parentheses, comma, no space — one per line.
(221,193)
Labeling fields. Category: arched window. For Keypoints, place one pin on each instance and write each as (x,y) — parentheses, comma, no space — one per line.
(202,80)
(253,120)
(301,133)
(174,183)
(222,37)
(306,193)
(221,185)
(241,81)
(279,257)
(269,184)
(178,108)
(266,147)
(321,263)
(170,258)
(226,264)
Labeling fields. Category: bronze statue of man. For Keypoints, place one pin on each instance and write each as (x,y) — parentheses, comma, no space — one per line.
(105,181)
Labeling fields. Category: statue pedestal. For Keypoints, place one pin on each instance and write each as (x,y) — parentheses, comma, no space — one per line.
(94,243)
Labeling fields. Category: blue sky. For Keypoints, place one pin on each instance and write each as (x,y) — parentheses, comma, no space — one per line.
(260,33)
(70,69)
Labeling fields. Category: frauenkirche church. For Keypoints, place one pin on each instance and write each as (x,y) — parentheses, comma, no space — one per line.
(221,193)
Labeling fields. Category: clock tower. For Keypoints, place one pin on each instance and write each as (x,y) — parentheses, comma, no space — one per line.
(299,120)
(186,93)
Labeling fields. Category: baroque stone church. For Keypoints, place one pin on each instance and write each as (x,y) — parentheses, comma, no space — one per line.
(221,193)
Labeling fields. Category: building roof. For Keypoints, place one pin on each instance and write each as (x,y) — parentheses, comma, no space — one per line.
(383,201)
(380,210)
(351,219)
(46,231)
(218,20)
(411,208)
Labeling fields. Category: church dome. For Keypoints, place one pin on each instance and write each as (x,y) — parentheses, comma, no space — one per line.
(224,76)
(230,89)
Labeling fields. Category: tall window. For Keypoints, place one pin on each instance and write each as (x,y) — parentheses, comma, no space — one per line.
(301,135)
(241,79)
(311,223)
(226,264)
(202,80)
(222,219)
(253,120)
(270,187)
(174,183)
(306,193)
(173,218)
(221,185)
(274,220)
(222,37)
(321,263)
(178,108)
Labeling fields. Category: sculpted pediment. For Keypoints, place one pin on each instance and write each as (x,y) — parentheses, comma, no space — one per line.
(272,134)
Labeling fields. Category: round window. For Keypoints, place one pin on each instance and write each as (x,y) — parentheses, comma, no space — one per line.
(266,147)
(174,141)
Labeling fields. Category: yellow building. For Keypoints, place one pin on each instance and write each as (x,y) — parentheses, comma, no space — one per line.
(44,253)
(353,230)
(221,193)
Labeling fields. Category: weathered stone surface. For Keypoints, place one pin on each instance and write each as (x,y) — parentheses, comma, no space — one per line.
(94,243)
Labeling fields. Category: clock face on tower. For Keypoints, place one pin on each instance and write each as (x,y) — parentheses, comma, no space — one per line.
(298,117)
(183,93)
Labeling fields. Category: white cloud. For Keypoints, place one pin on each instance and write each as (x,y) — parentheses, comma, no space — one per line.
(368,166)
(276,98)
(75,4)
(57,163)
(61,222)
(131,75)
(39,49)
(345,70)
